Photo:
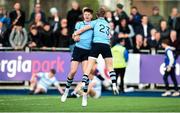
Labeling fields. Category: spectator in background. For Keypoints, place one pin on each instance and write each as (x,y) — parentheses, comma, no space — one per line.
(173,39)
(18,38)
(174,21)
(3,35)
(109,17)
(63,39)
(4,19)
(73,16)
(36,26)
(144,28)
(154,41)
(5,27)
(120,59)
(63,23)
(37,10)
(135,17)
(17,16)
(54,20)
(125,31)
(155,18)
(174,42)
(164,30)
(34,38)
(152,37)
(37,22)
(119,14)
(113,34)
(139,43)
(158,40)
(47,39)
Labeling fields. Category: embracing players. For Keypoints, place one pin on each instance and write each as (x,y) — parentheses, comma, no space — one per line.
(100,45)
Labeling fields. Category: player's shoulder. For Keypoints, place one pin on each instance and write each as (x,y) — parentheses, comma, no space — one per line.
(80,23)
(41,73)
(94,21)
(46,74)
(54,78)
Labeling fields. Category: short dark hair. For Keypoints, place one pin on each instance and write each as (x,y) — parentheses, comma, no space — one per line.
(101,12)
(155,8)
(88,10)
(119,40)
(134,7)
(53,71)
(144,16)
(46,23)
(163,20)
(166,41)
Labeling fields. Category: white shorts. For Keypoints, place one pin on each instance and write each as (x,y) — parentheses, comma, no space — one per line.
(98,94)
(41,86)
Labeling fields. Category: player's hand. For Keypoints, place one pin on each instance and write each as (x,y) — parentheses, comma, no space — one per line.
(168,69)
(62,92)
(76,38)
(33,80)
(53,48)
(75,34)
(121,35)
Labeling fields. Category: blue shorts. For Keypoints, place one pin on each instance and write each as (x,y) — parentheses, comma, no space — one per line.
(80,54)
(100,48)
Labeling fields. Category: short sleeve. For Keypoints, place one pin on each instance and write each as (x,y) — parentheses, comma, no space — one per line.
(77,26)
(40,74)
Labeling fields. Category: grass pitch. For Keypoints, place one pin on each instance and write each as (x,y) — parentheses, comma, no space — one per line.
(48,103)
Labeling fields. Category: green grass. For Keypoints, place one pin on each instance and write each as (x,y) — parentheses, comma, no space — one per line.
(105,104)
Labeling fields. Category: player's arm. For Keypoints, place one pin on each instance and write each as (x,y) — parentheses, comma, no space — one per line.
(35,76)
(126,55)
(91,91)
(56,84)
(171,60)
(85,28)
(91,85)
(77,37)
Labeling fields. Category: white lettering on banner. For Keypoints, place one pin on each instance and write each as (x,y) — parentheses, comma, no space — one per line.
(26,66)
(19,64)
(162,69)
(13,66)
(3,63)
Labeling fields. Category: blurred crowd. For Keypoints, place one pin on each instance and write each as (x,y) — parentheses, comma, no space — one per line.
(138,30)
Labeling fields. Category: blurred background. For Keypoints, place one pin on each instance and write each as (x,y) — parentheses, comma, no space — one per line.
(63,6)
